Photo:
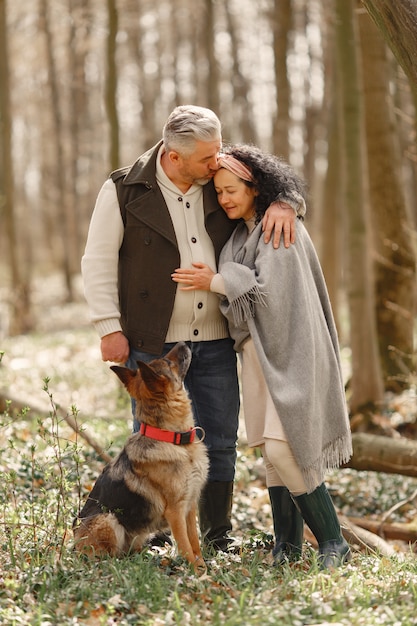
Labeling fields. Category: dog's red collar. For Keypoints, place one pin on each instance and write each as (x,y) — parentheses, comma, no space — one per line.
(179,439)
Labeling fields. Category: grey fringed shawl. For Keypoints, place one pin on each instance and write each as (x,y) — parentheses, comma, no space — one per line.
(279,298)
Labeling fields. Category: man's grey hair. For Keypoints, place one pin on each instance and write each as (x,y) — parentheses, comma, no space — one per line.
(188,124)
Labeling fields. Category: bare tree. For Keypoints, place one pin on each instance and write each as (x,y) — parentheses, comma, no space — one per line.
(186,21)
(212,84)
(394,259)
(20,318)
(242,109)
(281,15)
(66,219)
(111,84)
(78,117)
(146,92)
(399,28)
(331,248)
(366,381)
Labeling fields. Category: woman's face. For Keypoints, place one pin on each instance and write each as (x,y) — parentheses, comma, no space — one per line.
(236,198)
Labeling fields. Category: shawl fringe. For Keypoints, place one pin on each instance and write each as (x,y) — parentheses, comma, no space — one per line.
(243,307)
(334,455)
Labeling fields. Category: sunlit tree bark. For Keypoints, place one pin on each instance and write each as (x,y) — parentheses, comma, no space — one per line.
(281,15)
(398,23)
(331,246)
(394,259)
(366,380)
(111,84)
(186,50)
(399,29)
(78,119)
(242,108)
(147,86)
(20,317)
(213,70)
(315,112)
(321,142)
(65,217)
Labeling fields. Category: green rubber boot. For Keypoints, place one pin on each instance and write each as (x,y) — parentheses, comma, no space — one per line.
(320,515)
(215,515)
(288,526)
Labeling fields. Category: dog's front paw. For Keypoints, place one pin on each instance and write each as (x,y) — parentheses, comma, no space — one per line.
(199,565)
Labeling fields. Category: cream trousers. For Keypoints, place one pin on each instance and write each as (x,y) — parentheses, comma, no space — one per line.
(281,467)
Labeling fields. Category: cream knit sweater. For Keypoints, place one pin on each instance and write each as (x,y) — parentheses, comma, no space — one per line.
(196,315)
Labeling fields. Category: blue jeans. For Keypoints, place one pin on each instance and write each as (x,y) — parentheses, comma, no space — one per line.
(213,388)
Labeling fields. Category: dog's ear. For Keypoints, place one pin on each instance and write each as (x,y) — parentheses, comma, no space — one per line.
(151,379)
(125,374)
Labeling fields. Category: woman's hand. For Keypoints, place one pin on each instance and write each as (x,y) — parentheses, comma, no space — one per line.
(199,277)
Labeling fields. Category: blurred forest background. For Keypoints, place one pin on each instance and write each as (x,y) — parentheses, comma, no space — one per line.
(331,85)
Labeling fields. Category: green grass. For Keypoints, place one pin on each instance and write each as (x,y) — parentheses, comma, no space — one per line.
(45,475)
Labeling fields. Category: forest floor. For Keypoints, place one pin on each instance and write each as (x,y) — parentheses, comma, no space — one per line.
(60,364)
(65,350)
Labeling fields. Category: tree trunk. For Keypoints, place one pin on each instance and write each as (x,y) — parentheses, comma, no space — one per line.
(77,50)
(14,406)
(383,454)
(364,539)
(212,82)
(281,25)
(242,108)
(65,217)
(394,260)
(331,248)
(20,314)
(396,531)
(147,87)
(365,388)
(111,85)
(398,23)
(328,199)
(399,29)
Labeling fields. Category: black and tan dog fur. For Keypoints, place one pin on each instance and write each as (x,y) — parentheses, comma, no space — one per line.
(150,482)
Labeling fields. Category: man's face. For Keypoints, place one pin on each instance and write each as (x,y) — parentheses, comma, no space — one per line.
(200,166)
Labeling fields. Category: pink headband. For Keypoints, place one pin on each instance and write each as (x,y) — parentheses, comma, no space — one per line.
(235,166)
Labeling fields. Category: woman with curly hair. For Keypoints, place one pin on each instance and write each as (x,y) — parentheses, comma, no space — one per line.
(281,321)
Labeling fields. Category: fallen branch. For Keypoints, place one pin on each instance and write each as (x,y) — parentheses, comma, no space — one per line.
(83,433)
(397,506)
(383,454)
(402,532)
(361,538)
(366,539)
(14,405)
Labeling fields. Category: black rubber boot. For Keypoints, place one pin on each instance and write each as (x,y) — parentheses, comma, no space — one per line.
(320,515)
(215,512)
(288,526)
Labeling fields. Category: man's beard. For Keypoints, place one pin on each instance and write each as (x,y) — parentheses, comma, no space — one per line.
(202,181)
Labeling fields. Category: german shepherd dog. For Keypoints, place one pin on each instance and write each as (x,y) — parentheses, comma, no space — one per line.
(158,476)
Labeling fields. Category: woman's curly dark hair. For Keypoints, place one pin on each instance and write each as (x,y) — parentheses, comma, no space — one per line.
(272,176)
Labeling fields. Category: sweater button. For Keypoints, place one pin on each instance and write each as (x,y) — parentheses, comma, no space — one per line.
(193,239)
(200,305)
(187,204)
(195,333)
(179,199)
